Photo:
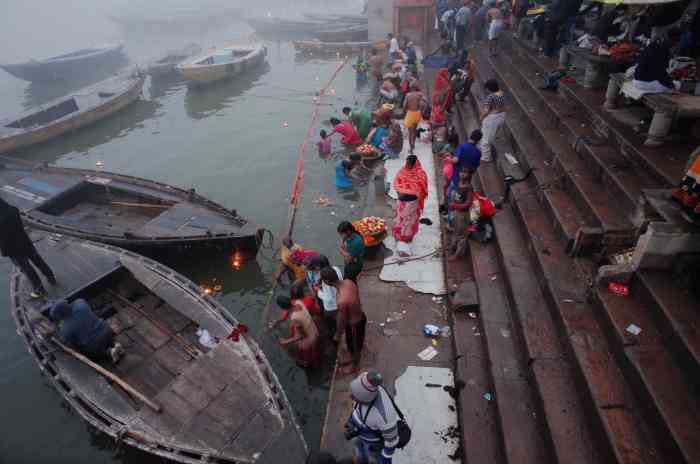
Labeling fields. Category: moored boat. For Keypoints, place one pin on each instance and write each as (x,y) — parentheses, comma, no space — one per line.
(222,63)
(68,113)
(165,65)
(281,26)
(66,66)
(355,33)
(139,214)
(316,46)
(191,398)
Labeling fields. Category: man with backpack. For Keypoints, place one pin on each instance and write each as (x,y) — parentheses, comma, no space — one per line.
(376,424)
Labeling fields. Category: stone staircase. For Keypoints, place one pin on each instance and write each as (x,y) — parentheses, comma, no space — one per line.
(569,377)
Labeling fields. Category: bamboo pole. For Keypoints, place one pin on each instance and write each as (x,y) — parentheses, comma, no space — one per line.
(191,350)
(109,375)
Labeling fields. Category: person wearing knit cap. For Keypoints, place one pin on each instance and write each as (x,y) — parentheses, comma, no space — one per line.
(375,419)
(82,329)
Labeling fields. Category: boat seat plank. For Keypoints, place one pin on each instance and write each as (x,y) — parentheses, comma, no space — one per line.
(246,441)
(172,357)
(95,388)
(184,219)
(170,318)
(232,408)
(207,430)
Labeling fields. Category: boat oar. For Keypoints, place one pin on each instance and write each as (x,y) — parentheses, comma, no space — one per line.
(131,390)
(191,350)
(139,205)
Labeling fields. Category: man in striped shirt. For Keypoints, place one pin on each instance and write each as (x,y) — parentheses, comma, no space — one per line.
(374,418)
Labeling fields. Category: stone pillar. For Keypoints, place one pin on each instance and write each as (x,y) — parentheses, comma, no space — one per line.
(595,77)
(612,95)
(659,129)
(564,56)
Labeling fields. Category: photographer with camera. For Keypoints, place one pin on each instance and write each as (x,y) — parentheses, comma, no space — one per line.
(376,424)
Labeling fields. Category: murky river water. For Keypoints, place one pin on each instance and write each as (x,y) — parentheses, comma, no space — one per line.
(229,141)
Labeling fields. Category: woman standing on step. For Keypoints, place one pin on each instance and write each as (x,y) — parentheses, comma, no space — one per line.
(411,185)
(493,115)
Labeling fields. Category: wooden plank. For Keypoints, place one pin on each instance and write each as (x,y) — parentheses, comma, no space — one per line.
(151,374)
(137,354)
(170,318)
(201,374)
(173,358)
(194,393)
(206,429)
(232,408)
(177,407)
(151,334)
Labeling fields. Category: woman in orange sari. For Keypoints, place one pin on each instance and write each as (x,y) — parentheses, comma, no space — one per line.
(443,96)
(411,184)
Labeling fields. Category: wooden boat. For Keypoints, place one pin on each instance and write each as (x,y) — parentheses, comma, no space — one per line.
(68,113)
(338,18)
(316,46)
(282,26)
(355,33)
(222,63)
(126,211)
(166,65)
(67,66)
(217,404)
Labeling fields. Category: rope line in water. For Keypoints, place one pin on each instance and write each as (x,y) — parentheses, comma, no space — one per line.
(299,179)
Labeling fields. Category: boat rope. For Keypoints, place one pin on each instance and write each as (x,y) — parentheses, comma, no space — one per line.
(298,181)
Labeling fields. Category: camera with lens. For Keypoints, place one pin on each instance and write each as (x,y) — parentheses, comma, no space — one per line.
(351,430)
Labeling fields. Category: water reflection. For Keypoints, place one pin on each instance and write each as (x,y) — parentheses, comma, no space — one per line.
(38,93)
(164,85)
(204,101)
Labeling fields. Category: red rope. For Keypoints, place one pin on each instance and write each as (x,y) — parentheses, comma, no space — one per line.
(299,176)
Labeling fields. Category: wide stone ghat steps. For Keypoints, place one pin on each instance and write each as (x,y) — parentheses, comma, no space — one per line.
(601,394)
(665,165)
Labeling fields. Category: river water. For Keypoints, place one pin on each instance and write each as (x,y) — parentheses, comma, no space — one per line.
(235,142)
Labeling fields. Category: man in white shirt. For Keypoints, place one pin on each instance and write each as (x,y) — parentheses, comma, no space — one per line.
(447,21)
(394,49)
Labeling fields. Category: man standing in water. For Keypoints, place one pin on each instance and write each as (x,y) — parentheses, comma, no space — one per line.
(351,319)
(376,65)
(16,245)
(413,107)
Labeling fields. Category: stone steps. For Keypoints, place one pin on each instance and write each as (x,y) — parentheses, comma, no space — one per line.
(623,178)
(570,343)
(600,209)
(667,164)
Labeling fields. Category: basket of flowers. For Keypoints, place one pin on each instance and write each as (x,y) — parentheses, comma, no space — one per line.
(372,229)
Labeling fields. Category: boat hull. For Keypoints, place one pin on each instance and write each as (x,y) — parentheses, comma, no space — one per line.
(22,139)
(205,377)
(119,210)
(207,74)
(359,34)
(65,68)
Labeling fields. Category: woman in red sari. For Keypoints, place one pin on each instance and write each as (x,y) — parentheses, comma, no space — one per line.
(411,184)
(443,97)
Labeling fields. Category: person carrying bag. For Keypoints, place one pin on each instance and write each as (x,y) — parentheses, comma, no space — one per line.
(376,424)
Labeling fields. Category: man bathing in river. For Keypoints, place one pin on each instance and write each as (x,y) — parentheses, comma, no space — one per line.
(413,107)
(351,320)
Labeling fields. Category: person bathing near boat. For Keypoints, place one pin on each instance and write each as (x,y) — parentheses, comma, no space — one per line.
(16,245)
(351,320)
(352,249)
(413,107)
(411,185)
(360,119)
(304,334)
(492,116)
(350,136)
(83,330)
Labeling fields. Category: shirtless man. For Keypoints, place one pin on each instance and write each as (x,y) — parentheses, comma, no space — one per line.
(413,107)
(376,64)
(351,318)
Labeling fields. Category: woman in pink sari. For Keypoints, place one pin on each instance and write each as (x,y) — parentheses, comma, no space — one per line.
(411,184)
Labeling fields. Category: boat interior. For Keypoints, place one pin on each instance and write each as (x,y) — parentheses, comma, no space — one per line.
(208,394)
(104,205)
(46,116)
